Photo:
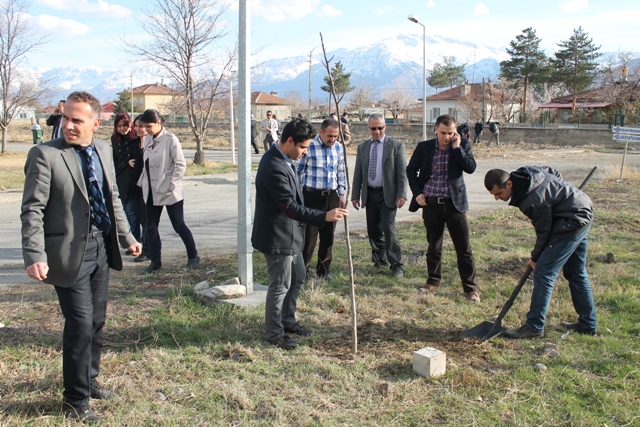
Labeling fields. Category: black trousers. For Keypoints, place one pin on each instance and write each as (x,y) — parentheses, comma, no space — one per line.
(176,216)
(435,216)
(381,227)
(84,307)
(324,201)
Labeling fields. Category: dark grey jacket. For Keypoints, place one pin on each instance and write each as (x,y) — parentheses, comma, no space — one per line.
(557,209)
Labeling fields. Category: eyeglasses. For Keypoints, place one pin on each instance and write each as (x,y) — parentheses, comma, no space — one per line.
(378,128)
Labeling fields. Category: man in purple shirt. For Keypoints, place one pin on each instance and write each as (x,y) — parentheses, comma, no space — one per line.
(435,175)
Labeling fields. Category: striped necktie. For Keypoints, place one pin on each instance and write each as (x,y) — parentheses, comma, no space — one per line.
(99,215)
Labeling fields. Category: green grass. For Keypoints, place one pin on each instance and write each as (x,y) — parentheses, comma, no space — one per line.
(12,170)
(176,362)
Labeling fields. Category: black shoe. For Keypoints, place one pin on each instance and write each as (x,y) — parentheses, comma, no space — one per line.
(326,277)
(97,392)
(141,258)
(577,328)
(193,262)
(297,329)
(257,152)
(152,267)
(285,343)
(397,272)
(80,413)
(523,332)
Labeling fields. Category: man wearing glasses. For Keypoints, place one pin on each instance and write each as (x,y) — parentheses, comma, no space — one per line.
(380,181)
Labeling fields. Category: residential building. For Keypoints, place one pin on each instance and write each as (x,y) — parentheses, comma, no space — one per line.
(262,102)
(157,96)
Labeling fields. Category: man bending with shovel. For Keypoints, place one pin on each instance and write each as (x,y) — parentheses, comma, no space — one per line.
(561,215)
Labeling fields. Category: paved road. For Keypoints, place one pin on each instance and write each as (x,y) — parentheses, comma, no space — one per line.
(211,204)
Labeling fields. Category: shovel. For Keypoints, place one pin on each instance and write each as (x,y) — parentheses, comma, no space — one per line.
(487,330)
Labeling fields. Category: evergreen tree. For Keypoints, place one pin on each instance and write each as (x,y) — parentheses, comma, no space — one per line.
(123,103)
(341,83)
(528,64)
(575,65)
(446,74)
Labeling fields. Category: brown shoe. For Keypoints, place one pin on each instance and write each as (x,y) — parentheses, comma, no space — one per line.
(428,289)
(285,343)
(473,297)
(577,328)
(523,332)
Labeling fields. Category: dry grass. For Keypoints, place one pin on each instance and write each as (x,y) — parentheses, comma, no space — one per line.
(12,171)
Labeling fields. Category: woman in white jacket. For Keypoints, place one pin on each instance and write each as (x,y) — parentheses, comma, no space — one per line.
(161,182)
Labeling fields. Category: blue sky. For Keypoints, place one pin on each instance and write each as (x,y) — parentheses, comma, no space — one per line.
(87,32)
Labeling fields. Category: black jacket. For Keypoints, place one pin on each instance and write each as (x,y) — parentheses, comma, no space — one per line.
(419,172)
(56,122)
(278,225)
(557,209)
(478,128)
(124,151)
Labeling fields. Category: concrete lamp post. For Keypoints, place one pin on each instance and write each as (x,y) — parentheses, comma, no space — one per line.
(413,18)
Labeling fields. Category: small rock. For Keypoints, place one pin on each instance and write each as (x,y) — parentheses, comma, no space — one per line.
(548,346)
(1,325)
(608,330)
(133,363)
(362,236)
(160,396)
(206,296)
(234,281)
(228,291)
(565,335)
(540,367)
(146,283)
(201,286)
(480,399)
(609,258)
(179,390)
(214,271)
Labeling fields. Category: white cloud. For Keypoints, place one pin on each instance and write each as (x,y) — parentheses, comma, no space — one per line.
(61,27)
(101,8)
(481,10)
(283,10)
(384,10)
(431,3)
(327,10)
(574,5)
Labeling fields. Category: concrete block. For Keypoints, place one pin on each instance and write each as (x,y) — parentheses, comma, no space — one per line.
(429,362)
(229,291)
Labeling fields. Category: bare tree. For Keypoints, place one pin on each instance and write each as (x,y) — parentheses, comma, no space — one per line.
(361,99)
(17,38)
(298,105)
(397,100)
(185,39)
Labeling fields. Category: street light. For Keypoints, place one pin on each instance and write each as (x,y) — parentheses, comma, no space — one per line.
(309,108)
(413,18)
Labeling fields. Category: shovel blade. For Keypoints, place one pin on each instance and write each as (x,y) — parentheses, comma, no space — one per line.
(484,331)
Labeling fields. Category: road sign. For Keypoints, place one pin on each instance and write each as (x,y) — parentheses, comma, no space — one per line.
(625,137)
(620,129)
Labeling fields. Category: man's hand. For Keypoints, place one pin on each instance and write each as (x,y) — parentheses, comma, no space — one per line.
(132,162)
(38,270)
(343,202)
(356,204)
(455,141)
(532,263)
(135,249)
(400,202)
(421,200)
(336,214)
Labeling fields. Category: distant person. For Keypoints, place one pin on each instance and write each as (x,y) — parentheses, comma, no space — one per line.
(254,135)
(161,182)
(55,120)
(345,137)
(279,131)
(136,196)
(494,128)
(36,125)
(478,129)
(72,225)
(436,177)
(561,215)
(345,118)
(322,176)
(278,230)
(380,186)
(270,129)
(299,115)
(464,130)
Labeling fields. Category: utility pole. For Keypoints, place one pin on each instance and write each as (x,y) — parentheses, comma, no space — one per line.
(310,74)
(131,97)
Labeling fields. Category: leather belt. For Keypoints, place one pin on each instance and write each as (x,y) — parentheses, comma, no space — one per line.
(438,200)
(322,192)
(94,234)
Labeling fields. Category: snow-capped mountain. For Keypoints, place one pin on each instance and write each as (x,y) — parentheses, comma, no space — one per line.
(392,63)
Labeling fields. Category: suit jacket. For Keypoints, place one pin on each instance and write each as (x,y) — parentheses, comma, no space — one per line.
(56,216)
(419,171)
(394,179)
(278,225)
(56,122)
(166,169)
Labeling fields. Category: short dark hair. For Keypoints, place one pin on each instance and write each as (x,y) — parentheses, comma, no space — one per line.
(62,100)
(298,129)
(445,119)
(151,116)
(496,177)
(330,123)
(87,98)
(345,114)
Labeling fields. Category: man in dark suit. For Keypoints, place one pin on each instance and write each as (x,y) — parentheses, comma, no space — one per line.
(278,230)
(380,181)
(55,120)
(435,177)
(254,135)
(72,222)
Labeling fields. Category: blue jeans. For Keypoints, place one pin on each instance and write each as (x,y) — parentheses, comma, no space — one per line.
(571,255)
(131,211)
